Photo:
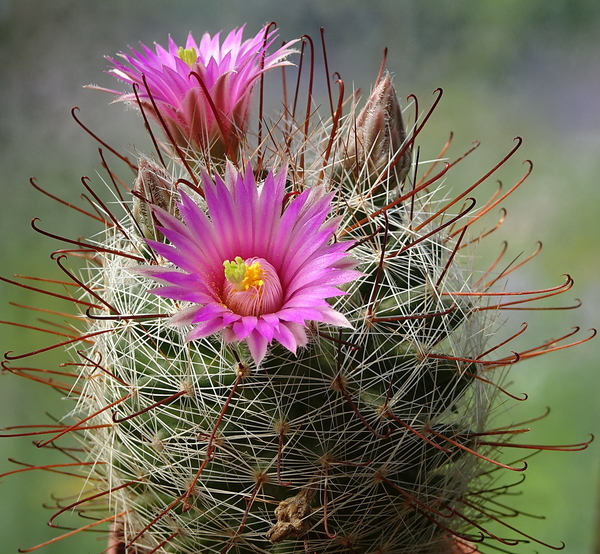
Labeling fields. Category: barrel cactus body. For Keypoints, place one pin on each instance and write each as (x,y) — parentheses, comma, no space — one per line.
(285,344)
(332,444)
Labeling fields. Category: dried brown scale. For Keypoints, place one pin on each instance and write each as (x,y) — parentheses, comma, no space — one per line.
(293,517)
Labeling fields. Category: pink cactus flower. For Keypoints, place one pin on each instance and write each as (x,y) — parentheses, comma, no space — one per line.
(253,268)
(202,91)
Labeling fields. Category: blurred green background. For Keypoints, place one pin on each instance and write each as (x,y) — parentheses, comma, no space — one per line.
(516,67)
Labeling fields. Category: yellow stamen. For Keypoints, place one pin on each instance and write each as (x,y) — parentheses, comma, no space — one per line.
(188,55)
(253,276)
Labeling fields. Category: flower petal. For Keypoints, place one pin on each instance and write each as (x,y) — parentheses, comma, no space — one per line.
(257,344)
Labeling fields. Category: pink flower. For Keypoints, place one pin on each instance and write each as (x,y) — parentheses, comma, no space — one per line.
(202,92)
(253,268)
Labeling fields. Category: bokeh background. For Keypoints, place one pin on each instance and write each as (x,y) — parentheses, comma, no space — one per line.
(516,67)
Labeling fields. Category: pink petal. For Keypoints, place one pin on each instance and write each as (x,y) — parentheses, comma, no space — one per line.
(257,344)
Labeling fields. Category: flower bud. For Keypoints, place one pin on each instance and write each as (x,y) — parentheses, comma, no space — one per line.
(378,134)
(153,187)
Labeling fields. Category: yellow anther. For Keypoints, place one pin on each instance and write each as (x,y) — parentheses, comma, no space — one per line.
(253,277)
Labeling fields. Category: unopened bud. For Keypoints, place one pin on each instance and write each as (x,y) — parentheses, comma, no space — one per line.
(153,187)
(378,135)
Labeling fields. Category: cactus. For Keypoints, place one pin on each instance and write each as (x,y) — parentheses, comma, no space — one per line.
(316,369)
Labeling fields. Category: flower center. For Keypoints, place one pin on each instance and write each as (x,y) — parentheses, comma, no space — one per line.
(243,276)
(251,287)
(188,55)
